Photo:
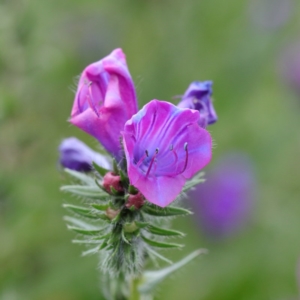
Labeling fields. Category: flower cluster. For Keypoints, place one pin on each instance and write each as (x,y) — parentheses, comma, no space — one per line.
(155,154)
(164,145)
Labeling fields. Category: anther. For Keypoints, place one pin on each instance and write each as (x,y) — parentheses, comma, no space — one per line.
(185,146)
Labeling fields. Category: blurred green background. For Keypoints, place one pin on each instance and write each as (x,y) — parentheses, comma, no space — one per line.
(238,44)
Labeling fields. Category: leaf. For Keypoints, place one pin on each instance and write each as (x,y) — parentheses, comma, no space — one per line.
(102,171)
(161,244)
(83,211)
(193,182)
(80,223)
(124,238)
(81,176)
(85,242)
(101,207)
(156,254)
(162,231)
(91,251)
(141,224)
(124,178)
(166,211)
(152,278)
(85,191)
(95,240)
(86,231)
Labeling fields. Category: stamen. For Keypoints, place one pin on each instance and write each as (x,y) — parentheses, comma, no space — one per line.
(152,160)
(174,152)
(186,156)
(142,158)
(91,100)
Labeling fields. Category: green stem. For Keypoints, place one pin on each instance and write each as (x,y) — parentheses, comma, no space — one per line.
(134,291)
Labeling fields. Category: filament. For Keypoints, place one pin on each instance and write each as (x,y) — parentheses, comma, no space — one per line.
(151,163)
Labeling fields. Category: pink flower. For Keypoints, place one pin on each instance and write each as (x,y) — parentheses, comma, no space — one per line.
(105,100)
(164,146)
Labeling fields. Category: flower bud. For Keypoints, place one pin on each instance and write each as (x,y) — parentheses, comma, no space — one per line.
(76,155)
(198,96)
(111,213)
(111,180)
(105,100)
(137,201)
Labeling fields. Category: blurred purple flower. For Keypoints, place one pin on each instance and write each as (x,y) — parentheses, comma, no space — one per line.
(271,14)
(289,66)
(223,204)
(105,100)
(198,97)
(76,155)
(164,146)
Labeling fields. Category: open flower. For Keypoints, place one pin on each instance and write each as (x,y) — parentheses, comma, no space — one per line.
(198,97)
(164,146)
(76,155)
(105,100)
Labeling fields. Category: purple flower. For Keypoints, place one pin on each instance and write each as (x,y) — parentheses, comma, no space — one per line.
(164,146)
(105,100)
(76,155)
(223,204)
(198,97)
(290,66)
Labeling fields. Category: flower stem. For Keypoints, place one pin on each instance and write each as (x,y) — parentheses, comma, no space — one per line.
(134,292)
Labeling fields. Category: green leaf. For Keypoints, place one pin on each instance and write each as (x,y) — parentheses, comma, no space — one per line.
(80,223)
(152,278)
(168,211)
(81,176)
(124,178)
(132,190)
(85,242)
(193,182)
(101,207)
(91,251)
(102,171)
(85,191)
(162,231)
(161,244)
(141,224)
(124,238)
(83,211)
(86,231)
(95,240)
(158,255)
(115,166)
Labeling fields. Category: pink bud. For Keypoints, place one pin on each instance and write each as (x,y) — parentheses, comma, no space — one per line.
(111,180)
(136,200)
